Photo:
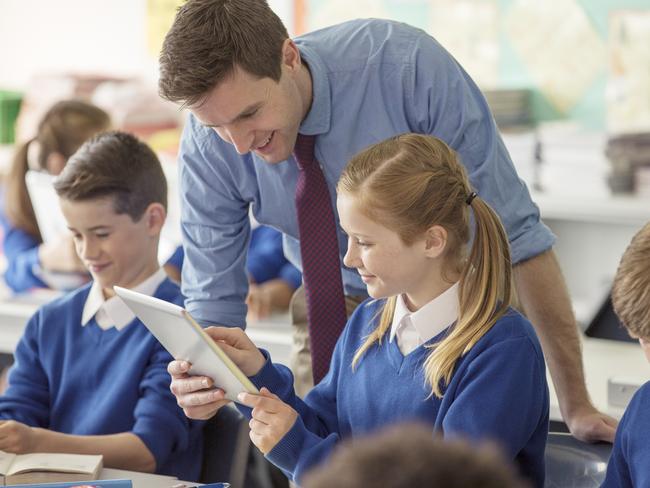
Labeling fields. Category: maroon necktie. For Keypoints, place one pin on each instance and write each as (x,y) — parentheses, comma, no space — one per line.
(319,250)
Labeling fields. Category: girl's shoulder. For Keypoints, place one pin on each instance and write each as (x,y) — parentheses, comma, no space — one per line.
(512,325)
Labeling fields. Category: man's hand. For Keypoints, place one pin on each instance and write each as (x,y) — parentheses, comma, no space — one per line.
(589,425)
(16,437)
(271,418)
(196,395)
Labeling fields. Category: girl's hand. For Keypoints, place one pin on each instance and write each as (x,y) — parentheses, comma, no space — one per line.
(61,255)
(196,395)
(272,418)
(16,437)
(238,346)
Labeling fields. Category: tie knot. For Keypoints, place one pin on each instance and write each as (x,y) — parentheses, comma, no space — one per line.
(304,150)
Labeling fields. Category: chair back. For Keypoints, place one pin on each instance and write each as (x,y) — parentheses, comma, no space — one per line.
(573,463)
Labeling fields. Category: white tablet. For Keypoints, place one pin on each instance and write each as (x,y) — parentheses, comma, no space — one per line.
(179,333)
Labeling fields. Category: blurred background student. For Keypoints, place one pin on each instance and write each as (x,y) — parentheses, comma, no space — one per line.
(63,129)
(272,279)
(408,455)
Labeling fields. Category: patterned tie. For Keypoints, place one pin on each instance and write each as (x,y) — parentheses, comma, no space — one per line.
(321,265)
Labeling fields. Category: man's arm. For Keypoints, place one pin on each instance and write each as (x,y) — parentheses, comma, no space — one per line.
(545,299)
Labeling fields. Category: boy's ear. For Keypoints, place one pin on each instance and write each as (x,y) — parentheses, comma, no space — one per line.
(155,216)
(435,241)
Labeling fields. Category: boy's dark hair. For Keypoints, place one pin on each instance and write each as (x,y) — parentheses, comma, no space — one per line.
(631,291)
(210,37)
(117,165)
(406,456)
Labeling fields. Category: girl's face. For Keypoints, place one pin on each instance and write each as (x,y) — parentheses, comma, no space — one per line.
(387,266)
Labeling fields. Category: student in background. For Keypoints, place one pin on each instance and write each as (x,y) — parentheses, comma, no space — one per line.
(64,128)
(408,456)
(272,278)
(89,377)
(630,459)
(437,342)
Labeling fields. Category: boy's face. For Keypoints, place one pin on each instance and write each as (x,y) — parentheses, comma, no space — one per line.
(259,114)
(115,249)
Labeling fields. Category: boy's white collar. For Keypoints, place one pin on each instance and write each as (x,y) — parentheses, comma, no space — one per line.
(113,312)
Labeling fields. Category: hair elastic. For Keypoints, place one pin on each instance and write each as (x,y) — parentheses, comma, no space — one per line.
(471,197)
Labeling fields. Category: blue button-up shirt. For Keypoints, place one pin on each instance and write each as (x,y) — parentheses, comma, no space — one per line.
(372,79)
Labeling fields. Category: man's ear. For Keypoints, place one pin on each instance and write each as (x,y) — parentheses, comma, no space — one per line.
(54,163)
(155,216)
(290,55)
(435,241)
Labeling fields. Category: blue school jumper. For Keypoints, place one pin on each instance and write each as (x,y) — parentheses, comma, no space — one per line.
(83,380)
(629,463)
(498,392)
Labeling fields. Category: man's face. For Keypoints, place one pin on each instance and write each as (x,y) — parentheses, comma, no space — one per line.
(255,114)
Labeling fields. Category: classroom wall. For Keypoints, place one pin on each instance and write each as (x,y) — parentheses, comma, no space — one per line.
(585,60)
(86,36)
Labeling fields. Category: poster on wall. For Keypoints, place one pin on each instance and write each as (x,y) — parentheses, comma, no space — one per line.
(628,85)
(559,47)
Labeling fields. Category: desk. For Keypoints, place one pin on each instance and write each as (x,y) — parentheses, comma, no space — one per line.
(143,480)
(604,359)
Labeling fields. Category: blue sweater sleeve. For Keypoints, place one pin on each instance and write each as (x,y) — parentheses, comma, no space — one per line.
(27,398)
(21,251)
(157,407)
(315,432)
(618,469)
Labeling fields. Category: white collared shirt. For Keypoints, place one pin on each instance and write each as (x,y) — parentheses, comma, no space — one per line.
(413,329)
(113,312)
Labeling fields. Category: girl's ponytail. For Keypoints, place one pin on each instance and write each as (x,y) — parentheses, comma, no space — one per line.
(484,295)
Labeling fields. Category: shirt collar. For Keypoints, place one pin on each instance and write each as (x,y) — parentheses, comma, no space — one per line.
(318,118)
(114,312)
(432,318)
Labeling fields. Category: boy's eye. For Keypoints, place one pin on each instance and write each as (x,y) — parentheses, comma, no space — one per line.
(249,114)
(102,235)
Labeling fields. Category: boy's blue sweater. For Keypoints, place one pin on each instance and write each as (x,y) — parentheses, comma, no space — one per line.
(629,463)
(89,381)
(498,392)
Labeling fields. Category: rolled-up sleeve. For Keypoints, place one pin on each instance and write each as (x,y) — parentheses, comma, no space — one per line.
(445,102)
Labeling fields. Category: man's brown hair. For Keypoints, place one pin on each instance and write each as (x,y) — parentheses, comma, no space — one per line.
(115,165)
(408,455)
(631,292)
(210,37)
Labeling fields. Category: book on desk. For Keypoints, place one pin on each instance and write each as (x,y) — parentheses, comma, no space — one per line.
(83,484)
(39,467)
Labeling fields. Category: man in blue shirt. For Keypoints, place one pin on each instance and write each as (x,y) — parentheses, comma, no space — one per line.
(251,89)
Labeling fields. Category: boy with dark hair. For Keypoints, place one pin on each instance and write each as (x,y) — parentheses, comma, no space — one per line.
(630,458)
(407,456)
(88,377)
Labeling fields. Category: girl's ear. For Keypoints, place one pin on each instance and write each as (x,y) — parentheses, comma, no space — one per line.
(155,215)
(435,241)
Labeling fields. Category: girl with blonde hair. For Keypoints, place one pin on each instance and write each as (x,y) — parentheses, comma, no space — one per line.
(437,342)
